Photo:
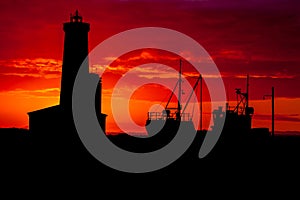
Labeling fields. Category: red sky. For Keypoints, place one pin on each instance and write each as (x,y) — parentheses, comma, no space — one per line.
(255,37)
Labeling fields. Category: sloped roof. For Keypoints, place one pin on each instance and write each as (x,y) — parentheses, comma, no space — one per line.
(44,110)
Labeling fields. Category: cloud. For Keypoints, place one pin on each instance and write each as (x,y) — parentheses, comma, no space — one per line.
(111,58)
(154,71)
(43,93)
(231,54)
(160,60)
(279,117)
(258,76)
(118,69)
(38,67)
(147,55)
(29,74)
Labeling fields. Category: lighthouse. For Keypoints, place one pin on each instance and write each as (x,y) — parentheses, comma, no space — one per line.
(50,122)
(75,52)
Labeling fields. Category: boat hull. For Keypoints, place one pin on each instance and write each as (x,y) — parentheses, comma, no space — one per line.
(167,129)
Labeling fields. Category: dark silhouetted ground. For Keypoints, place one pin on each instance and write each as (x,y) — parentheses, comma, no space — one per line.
(267,162)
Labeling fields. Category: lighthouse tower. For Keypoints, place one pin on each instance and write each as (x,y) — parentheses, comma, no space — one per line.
(75,52)
(57,121)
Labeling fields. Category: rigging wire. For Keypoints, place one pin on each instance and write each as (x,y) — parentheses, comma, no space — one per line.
(163,101)
(193,108)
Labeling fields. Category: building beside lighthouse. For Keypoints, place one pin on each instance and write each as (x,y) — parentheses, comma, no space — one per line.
(56,122)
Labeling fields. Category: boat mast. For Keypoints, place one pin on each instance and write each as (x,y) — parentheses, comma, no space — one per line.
(247,94)
(201,111)
(179,88)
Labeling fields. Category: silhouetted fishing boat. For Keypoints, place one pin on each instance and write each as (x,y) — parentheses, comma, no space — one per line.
(168,121)
(238,118)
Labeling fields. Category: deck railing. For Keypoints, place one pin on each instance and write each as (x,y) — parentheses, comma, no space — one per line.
(164,116)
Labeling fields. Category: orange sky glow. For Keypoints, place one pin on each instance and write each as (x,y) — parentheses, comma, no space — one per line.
(241,39)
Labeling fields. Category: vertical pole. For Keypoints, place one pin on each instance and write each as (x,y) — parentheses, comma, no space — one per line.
(247,93)
(273,113)
(201,111)
(100,95)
